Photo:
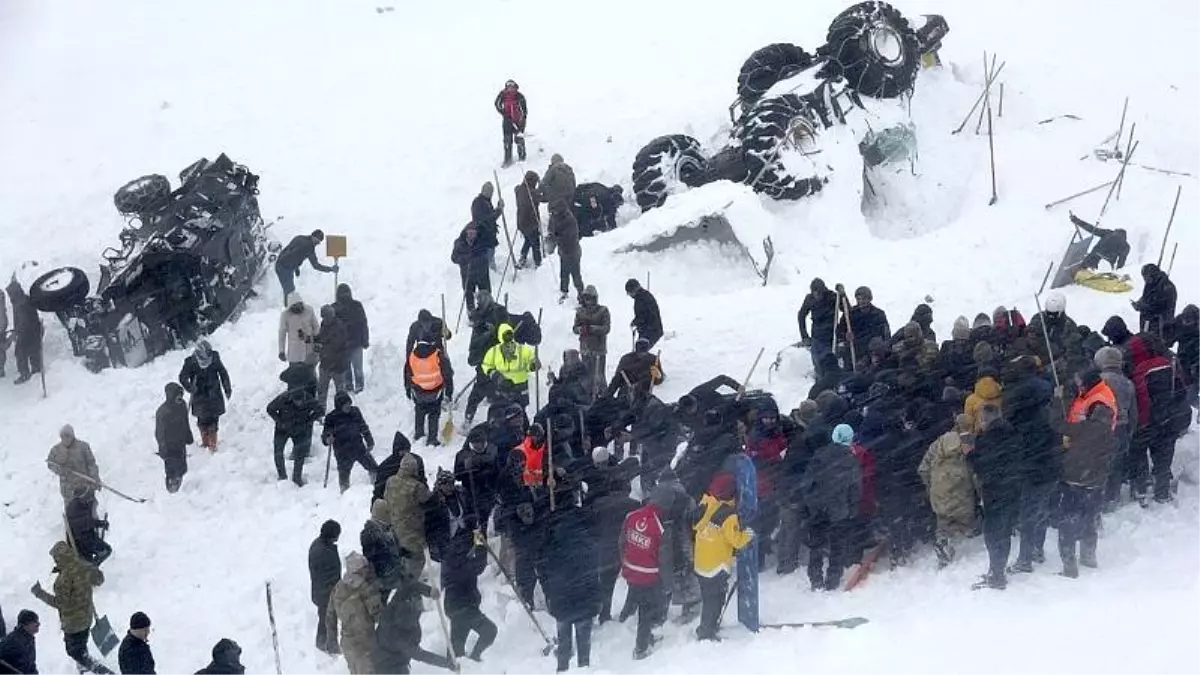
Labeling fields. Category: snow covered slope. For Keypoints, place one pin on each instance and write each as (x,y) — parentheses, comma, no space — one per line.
(379,126)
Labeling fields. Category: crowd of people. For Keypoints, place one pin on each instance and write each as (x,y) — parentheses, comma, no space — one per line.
(1007,428)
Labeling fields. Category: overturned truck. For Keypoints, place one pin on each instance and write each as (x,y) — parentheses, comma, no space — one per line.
(186,264)
(786,96)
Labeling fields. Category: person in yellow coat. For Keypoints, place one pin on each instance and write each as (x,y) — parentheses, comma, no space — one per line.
(718,536)
(508,364)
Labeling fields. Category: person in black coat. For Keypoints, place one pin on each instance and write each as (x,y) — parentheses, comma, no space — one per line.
(1026,404)
(656,434)
(294,413)
(821,305)
(647,321)
(398,633)
(830,378)
(864,322)
(427,328)
(486,218)
(571,580)
(134,655)
(1187,337)
(390,466)
(301,248)
(324,571)
(1156,307)
(380,548)
(996,460)
(348,433)
(226,659)
(358,334)
(473,253)
(18,649)
(832,489)
(173,432)
(86,527)
(1113,246)
(608,516)
(205,379)
(476,468)
(457,543)
(595,206)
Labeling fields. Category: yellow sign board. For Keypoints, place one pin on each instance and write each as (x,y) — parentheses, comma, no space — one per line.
(335,245)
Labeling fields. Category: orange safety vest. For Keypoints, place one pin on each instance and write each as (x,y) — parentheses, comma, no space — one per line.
(1097,394)
(426,372)
(533,474)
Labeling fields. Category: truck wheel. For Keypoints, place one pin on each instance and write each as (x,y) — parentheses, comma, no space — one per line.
(765,131)
(142,195)
(59,289)
(664,163)
(874,48)
(768,66)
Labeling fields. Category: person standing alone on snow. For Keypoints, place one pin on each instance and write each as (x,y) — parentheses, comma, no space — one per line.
(205,379)
(529,220)
(428,382)
(358,334)
(294,413)
(74,464)
(565,232)
(821,305)
(301,248)
(647,321)
(348,433)
(511,105)
(134,656)
(27,333)
(472,254)
(174,434)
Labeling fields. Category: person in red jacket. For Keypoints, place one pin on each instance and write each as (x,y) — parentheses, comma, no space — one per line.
(641,564)
(510,103)
(1157,386)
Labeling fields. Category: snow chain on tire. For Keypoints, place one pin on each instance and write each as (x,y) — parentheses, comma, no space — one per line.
(763,133)
(663,162)
(142,195)
(874,48)
(767,66)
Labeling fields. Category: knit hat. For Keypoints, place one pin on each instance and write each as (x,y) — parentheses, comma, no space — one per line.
(486,190)
(1109,358)
(722,485)
(807,410)
(138,621)
(632,285)
(26,617)
(842,434)
(961,330)
(983,353)
(981,320)
(400,443)
(331,530)
(600,455)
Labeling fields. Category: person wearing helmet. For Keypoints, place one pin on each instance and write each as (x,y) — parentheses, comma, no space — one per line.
(174,434)
(1051,325)
(514,113)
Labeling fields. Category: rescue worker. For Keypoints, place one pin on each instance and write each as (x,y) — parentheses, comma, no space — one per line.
(428,383)
(357,603)
(72,598)
(406,496)
(718,535)
(71,459)
(509,363)
(642,559)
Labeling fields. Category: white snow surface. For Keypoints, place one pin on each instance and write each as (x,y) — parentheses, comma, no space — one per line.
(380,126)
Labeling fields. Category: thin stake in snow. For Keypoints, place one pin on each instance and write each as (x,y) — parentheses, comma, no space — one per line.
(1120,175)
(274,633)
(1000,107)
(1171,221)
(978,100)
(1046,277)
(991,155)
(987,95)
(1171,265)
(507,237)
(1121,129)
(1088,191)
(1128,150)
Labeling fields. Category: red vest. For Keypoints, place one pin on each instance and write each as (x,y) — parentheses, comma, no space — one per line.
(640,538)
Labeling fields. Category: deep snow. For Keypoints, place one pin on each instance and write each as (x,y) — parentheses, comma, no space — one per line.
(379,126)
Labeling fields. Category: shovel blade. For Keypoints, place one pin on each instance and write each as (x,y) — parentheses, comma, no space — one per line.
(104,637)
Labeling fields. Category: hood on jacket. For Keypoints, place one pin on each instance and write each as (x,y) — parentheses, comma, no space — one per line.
(1115,330)
(340,399)
(531,179)
(344,293)
(831,406)
(1109,358)
(356,564)
(1150,272)
(987,388)
(173,391)
(504,331)
(423,349)
(961,330)
(227,652)
(722,486)
(983,352)
(478,433)
(409,466)
(923,315)
(379,510)
(590,292)
(203,353)
(400,443)
(328,313)
(1190,316)
(62,554)
(294,299)
(981,320)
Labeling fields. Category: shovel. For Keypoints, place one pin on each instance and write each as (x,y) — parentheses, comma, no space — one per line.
(448,425)
(102,634)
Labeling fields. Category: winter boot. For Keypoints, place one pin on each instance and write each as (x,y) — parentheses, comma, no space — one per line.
(944,551)
(521,148)
(1087,555)
(431,438)
(562,297)
(418,433)
(994,581)
(22,379)
(1021,567)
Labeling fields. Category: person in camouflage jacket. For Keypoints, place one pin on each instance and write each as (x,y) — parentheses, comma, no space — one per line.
(70,458)
(356,602)
(72,598)
(406,497)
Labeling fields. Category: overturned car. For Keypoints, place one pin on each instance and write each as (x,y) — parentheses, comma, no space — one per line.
(186,264)
(786,96)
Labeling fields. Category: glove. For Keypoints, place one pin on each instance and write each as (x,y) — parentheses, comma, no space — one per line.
(336,268)
(36,588)
(806,342)
(478,538)
(536,365)
(500,204)
(102,524)
(297,271)
(282,357)
(525,513)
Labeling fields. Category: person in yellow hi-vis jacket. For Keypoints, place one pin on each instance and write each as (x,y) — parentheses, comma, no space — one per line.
(508,364)
(718,536)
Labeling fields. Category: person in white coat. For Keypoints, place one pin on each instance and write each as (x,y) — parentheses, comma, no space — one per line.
(298,326)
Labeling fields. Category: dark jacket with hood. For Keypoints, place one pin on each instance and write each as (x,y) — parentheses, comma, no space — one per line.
(571,581)
(390,466)
(346,430)
(478,472)
(1156,307)
(226,660)
(865,323)
(996,461)
(486,217)
(564,229)
(595,207)
(333,342)
(324,569)
(646,317)
(1027,410)
(832,484)
(295,411)
(427,328)
(208,387)
(354,317)
(172,429)
(472,256)
(592,324)
(529,220)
